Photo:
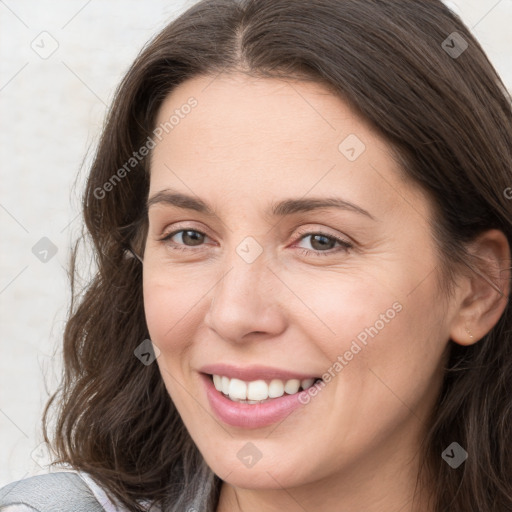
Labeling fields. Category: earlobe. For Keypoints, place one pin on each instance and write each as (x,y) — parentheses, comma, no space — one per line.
(488,288)
(464,331)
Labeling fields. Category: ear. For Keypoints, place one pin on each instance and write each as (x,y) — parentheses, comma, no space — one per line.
(486,288)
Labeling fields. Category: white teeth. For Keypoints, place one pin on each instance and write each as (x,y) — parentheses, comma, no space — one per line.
(307,383)
(217,382)
(292,386)
(276,388)
(258,390)
(237,389)
(225,385)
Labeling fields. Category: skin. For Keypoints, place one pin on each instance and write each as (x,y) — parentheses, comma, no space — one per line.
(252,142)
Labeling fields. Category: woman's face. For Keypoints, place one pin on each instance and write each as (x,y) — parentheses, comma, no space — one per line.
(259,292)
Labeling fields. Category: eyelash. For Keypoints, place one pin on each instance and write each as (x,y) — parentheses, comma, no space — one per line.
(344,245)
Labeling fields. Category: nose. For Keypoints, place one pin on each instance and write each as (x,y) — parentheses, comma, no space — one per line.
(245,303)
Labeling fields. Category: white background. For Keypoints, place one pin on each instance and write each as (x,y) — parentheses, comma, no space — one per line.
(51,115)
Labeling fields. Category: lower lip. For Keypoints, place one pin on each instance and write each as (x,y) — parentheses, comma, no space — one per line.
(242,415)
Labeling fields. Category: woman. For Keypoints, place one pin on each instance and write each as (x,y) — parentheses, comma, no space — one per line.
(302,218)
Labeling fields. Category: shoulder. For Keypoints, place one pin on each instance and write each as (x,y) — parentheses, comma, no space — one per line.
(17,508)
(62,491)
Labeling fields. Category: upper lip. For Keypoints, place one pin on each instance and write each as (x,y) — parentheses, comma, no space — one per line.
(255,372)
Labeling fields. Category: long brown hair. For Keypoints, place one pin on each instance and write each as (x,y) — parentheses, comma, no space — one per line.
(447,117)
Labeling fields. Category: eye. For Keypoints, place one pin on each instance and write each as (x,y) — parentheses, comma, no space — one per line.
(184,238)
(324,244)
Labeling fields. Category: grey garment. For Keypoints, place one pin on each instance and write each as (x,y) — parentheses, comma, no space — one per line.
(196,490)
(67,492)
(53,492)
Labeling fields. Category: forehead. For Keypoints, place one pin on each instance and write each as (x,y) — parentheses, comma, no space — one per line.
(259,110)
(256,139)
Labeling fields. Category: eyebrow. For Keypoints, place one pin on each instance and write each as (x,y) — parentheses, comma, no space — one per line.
(278,209)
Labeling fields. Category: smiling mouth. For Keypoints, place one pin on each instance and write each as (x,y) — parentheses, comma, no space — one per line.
(259,391)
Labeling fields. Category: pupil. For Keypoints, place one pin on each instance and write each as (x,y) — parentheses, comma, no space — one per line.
(194,236)
(326,240)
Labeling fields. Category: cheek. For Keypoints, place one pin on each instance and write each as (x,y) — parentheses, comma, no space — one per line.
(378,319)
(399,364)
(169,305)
(337,308)
(385,360)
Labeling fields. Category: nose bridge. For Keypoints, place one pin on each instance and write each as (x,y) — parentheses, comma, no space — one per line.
(243,300)
(247,278)
(247,264)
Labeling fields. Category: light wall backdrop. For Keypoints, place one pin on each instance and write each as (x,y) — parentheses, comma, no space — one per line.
(60,62)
